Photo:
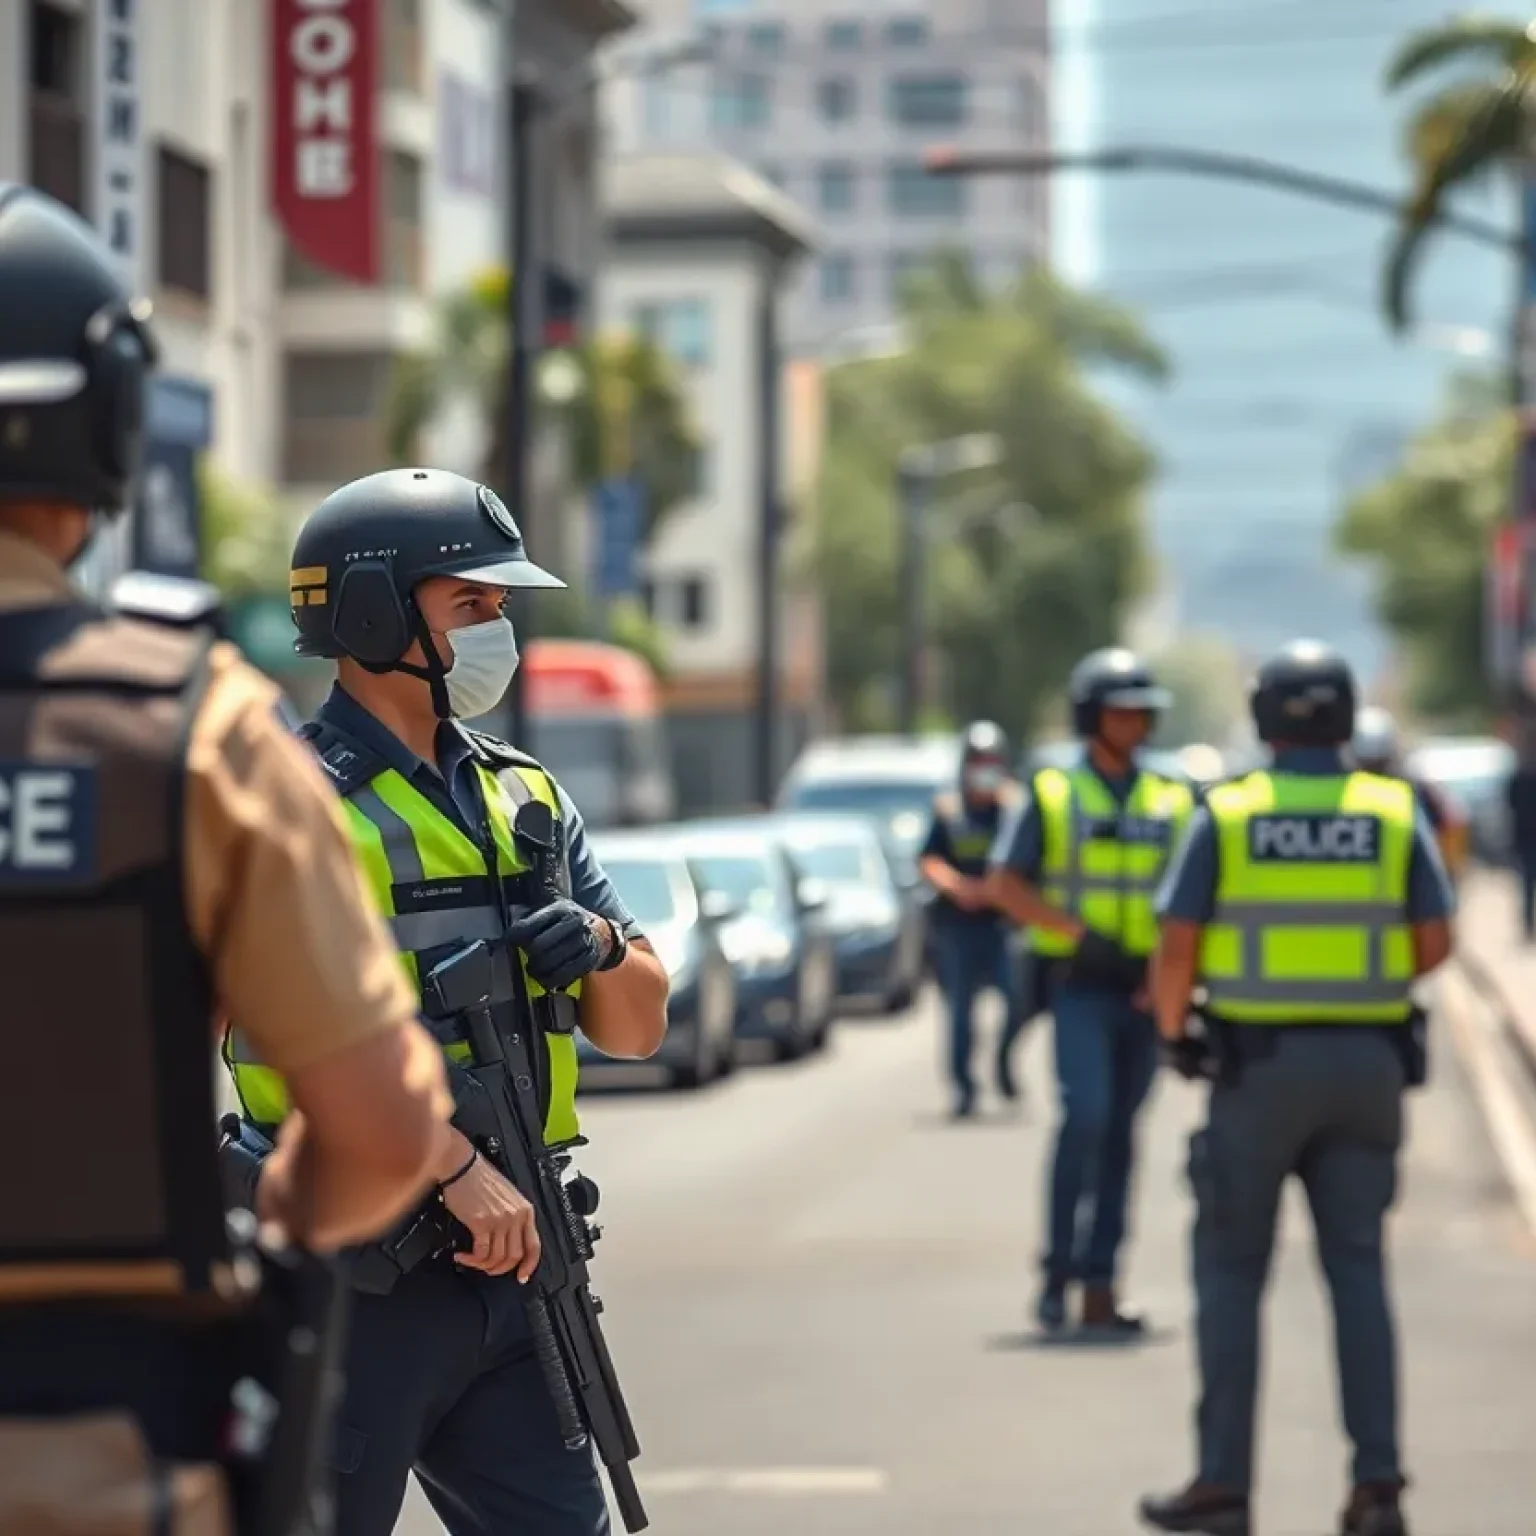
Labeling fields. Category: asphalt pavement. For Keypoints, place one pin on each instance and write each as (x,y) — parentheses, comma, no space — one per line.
(818,1290)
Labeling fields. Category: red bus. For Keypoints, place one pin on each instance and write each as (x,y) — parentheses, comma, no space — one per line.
(595,721)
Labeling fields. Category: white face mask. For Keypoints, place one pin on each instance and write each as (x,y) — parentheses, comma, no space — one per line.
(484,659)
(984,781)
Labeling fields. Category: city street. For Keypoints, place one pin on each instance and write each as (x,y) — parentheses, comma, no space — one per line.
(817,1293)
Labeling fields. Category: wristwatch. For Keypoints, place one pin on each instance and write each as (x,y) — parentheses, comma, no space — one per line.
(618,946)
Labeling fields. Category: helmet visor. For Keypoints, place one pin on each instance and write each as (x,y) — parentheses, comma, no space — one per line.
(1138,696)
(507,573)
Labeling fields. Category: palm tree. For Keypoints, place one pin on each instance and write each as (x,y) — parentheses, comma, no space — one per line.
(627,414)
(1472,128)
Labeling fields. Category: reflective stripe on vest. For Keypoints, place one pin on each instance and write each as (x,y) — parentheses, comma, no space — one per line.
(429,881)
(1102,861)
(1310,922)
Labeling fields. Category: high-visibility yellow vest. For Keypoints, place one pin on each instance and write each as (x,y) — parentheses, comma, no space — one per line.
(429,880)
(1310,922)
(1102,861)
(970,839)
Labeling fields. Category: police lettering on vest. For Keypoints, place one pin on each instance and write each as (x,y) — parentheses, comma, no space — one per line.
(47,824)
(1314,839)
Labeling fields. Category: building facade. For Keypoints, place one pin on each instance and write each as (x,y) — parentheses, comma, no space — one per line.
(699,253)
(836,104)
(1287,393)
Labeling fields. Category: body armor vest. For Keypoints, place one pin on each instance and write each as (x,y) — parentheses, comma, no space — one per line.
(105,1037)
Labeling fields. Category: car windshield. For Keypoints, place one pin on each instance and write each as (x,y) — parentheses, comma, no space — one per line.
(901,806)
(840,863)
(747,881)
(645,887)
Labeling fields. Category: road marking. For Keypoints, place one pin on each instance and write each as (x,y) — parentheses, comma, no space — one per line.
(769,1482)
(1493,1067)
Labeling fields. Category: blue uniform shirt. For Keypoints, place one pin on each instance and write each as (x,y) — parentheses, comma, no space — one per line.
(1188,892)
(453,787)
(1020,844)
(983,819)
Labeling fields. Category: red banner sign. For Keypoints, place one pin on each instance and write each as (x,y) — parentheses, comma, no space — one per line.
(325,158)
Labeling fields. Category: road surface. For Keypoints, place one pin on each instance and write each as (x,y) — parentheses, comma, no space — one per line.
(817,1291)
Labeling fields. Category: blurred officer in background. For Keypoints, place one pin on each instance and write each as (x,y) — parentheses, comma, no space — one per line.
(166,849)
(401,578)
(1079,865)
(1376,748)
(973,946)
(1305,901)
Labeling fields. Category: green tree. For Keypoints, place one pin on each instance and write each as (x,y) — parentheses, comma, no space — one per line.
(627,412)
(1425,530)
(1028,563)
(1474,127)
(247,536)
(1205,676)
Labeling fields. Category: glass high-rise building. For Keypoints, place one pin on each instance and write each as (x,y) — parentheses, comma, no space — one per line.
(1288,391)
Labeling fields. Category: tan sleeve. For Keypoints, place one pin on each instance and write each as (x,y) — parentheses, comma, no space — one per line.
(300,958)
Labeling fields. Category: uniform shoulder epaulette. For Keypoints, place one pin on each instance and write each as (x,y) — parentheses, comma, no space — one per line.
(348,766)
(178,601)
(497,754)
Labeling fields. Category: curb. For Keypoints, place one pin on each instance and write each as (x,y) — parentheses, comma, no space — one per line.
(1492,1048)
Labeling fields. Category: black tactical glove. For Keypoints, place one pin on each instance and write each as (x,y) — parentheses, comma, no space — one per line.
(561,943)
(1099,959)
(1190,1056)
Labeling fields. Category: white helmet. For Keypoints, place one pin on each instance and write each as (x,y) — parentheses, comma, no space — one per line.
(1374,744)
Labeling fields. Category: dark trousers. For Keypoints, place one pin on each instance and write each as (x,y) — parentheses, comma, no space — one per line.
(1525,873)
(1106,1054)
(441,1380)
(1325,1105)
(970,958)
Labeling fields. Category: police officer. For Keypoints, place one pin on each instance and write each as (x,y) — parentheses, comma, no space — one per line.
(401,578)
(1078,866)
(1375,747)
(970,939)
(166,850)
(1305,901)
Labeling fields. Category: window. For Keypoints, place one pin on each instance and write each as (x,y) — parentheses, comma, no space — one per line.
(766,37)
(837,278)
(837,99)
(742,101)
(402,213)
(693,602)
(913,194)
(404,55)
(845,35)
(183,198)
(1029,108)
(55,61)
(679,327)
(835,187)
(929,101)
(903,266)
(334,409)
(906,32)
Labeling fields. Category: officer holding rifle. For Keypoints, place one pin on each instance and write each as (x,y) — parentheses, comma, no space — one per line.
(512,940)
(166,850)
(1305,902)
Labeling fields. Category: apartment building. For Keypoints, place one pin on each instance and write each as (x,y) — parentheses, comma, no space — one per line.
(835,102)
(158,120)
(699,253)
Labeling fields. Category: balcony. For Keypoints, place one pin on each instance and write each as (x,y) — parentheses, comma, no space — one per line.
(57,132)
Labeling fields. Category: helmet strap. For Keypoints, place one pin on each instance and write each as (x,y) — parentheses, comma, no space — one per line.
(434,674)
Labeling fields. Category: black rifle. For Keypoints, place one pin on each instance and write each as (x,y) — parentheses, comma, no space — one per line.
(498,1109)
(289,1382)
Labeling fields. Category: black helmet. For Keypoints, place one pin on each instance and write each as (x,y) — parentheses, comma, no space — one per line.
(984,738)
(1304,693)
(362,552)
(74,358)
(1111,679)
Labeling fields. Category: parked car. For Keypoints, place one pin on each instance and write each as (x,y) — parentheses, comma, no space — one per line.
(685,927)
(877,927)
(891,779)
(1474,771)
(780,949)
